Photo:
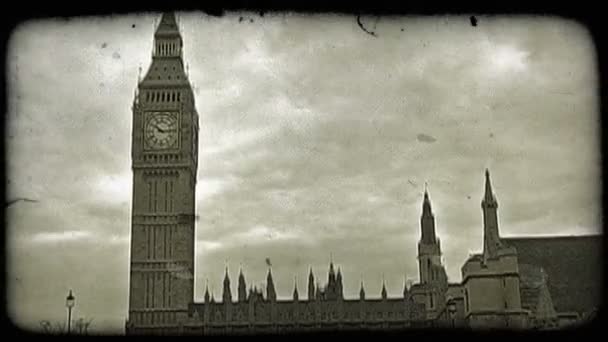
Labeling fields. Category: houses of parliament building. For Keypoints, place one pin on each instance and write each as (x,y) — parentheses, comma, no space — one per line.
(515,282)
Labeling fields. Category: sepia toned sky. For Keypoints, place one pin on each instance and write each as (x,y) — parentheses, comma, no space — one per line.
(316,139)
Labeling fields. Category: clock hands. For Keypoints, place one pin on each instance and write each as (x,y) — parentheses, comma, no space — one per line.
(163,130)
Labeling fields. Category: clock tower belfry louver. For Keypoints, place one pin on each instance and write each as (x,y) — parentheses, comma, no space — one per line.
(164,163)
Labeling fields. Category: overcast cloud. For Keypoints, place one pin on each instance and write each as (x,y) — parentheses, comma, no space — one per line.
(316,138)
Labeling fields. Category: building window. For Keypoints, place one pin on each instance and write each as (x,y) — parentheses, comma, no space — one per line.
(432,304)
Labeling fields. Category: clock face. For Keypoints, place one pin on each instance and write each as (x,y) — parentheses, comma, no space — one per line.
(161,131)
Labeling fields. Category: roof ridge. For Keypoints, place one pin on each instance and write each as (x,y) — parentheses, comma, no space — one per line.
(552,237)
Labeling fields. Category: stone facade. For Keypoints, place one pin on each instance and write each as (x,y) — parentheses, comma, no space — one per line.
(505,286)
(164,164)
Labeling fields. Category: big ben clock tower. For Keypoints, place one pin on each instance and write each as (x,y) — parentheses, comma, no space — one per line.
(164,162)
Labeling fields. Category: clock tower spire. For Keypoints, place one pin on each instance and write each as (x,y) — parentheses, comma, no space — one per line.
(164,154)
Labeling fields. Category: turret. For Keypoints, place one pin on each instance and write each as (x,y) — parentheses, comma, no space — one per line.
(296,296)
(362,292)
(383,291)
(427,221)
(429,248)
(339,288)
(330,290)
(242,287)
(226,293)
(311,286)
(491,236)
(207,293)
(271,295)
(167,38)
(405,290)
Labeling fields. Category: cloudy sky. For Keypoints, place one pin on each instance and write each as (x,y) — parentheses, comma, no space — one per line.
(316,138)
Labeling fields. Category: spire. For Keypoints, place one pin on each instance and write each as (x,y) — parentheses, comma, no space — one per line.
(426,204)
(362,292)
(311,285)
(488,198)
(207,292)
(167,68)
(242,294)
(339,288)
(296,296)
(405,289)
(491,236)
(331,279)
(427,221)
(167,26)
(270,291)
(167,38)
(383,290)
(226,293)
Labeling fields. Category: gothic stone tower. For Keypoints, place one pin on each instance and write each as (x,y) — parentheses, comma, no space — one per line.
(491,279)
(433,279)
(164,163)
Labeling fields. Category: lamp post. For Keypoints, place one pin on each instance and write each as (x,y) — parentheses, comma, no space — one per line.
(452,310)
(69,303)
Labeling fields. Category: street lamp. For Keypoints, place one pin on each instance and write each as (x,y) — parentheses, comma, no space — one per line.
(452,310)
(69,303)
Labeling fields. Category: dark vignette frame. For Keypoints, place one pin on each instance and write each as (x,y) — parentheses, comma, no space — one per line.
(588,16)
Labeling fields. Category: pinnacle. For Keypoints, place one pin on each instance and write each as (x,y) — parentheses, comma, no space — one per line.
(168,25)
